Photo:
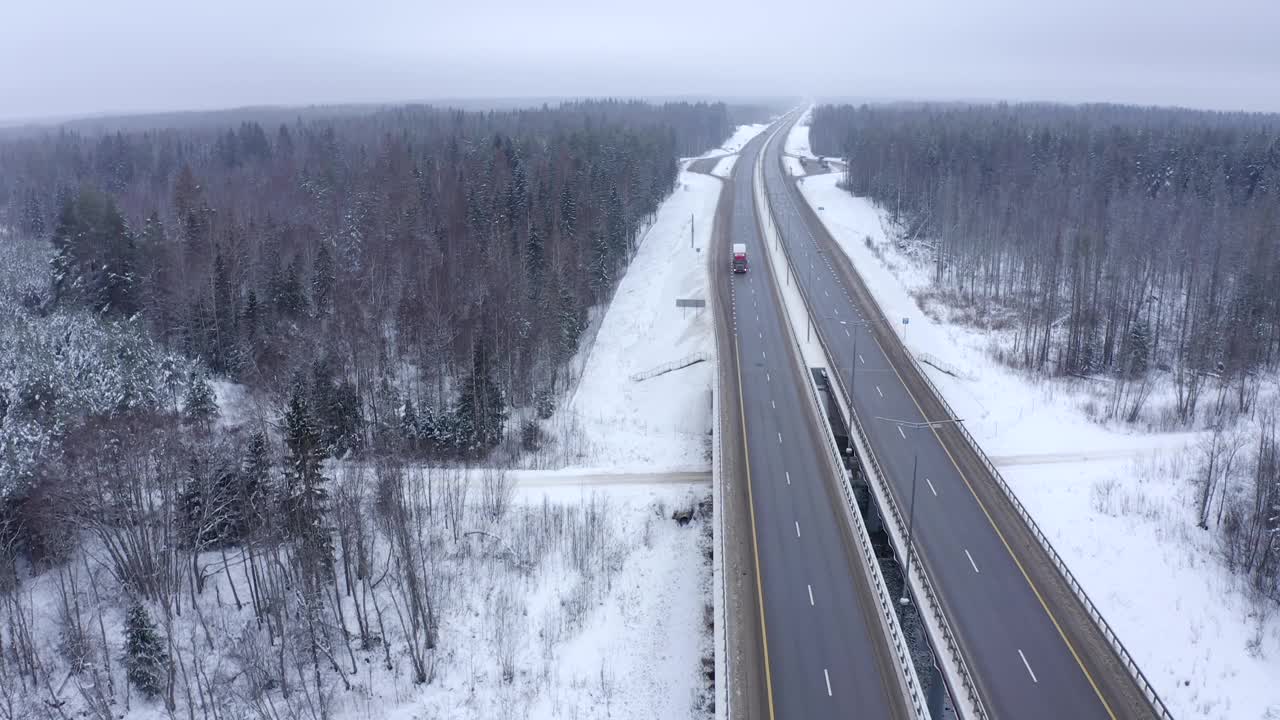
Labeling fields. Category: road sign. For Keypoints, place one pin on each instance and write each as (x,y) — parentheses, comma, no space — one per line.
(690,302)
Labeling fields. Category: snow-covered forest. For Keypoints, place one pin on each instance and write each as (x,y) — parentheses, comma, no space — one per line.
(1131,251)
(390,290)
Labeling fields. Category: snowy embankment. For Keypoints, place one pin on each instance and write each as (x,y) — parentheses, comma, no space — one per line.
(1117,503)
(796,146)
(632,642)
(724,168)
(798,138)
(628,422)
(740,137)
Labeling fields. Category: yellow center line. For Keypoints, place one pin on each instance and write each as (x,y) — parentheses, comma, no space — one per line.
(755,546)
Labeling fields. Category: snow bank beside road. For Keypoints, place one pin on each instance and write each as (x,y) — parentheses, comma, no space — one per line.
(662,422)
(1121,517)
(798,138)
(740,137)
(724,168)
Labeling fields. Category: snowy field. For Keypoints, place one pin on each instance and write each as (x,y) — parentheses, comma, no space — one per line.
(794,167)
(620,633)
(1117,501)
(568,602)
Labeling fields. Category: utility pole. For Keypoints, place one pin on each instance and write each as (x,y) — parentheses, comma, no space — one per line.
(911,513)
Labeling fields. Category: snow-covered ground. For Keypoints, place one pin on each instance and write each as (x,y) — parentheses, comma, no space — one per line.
(620,418)
(798,139)
(1116,502)
(575,603)
(740,137)
(724,167)
(622,640)
(583,599)
(658,423)
(636,440)
(794,167)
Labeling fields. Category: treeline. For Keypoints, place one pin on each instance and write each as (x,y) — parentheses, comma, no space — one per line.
(426,271)
(1113,239)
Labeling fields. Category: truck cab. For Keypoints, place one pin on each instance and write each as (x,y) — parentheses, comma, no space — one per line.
(739,257)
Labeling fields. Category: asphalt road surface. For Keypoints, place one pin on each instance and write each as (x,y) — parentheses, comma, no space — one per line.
(827,656)
(1033,651)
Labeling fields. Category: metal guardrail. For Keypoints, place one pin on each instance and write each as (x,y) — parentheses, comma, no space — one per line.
(952,645)
(720,633)
(931,598)
(1122,652)
(888,615)
(667,367)
(1114,640)
(944,366)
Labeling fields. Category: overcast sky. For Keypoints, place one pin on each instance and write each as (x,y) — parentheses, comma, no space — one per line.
(71,57)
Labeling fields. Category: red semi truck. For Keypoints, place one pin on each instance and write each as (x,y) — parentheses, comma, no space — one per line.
(739,257)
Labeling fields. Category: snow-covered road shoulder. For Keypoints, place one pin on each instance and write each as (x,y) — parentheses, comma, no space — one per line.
(797,143)
(724,168)
(738,140)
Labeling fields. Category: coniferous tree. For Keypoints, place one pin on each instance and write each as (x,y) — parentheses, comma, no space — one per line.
(192,507)
(343,420)
(291,301)
(600,270)
(200,405)
(570,324)
(95,256)
(535,258)
(118,292)
(409,432)
(322,282)
(224,318)
(255,488)
(32,222)
(1139,347)
(306,492)
(568,213)
(146,661)
(249,319)
(209,507)
(481,410)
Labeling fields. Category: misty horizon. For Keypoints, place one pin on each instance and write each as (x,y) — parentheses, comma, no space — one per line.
(70,59)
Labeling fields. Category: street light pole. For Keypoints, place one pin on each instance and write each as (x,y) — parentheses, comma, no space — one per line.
(853,363)
(911,526)
(911,512)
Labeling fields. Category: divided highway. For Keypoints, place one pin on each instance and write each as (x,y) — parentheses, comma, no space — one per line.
(1032,650)
(825,651)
